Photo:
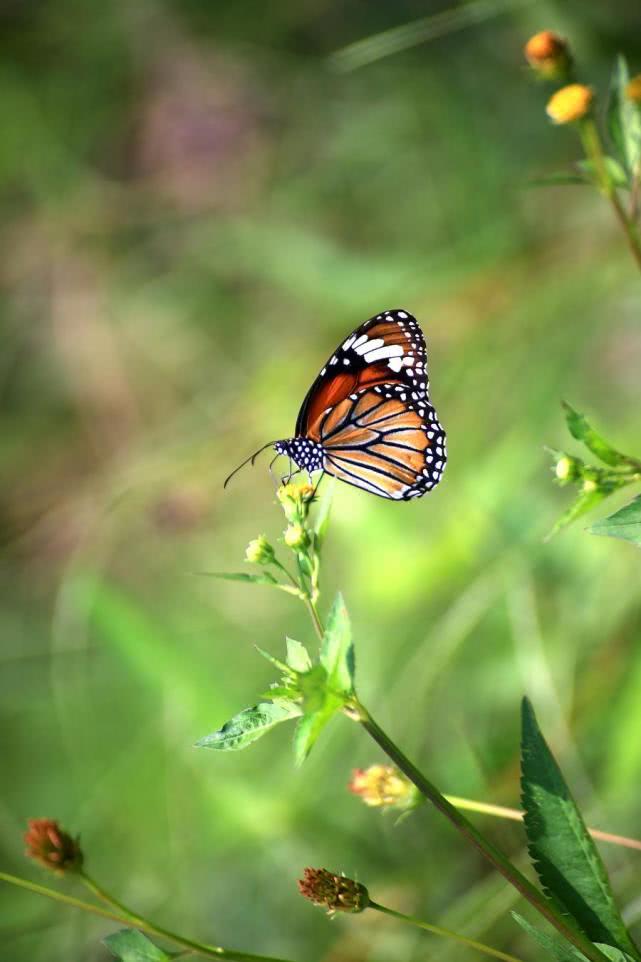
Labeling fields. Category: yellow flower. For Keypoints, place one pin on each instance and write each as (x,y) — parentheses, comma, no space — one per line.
(295,491)
(633,89)
(548,54)
(590,486)
(570,103)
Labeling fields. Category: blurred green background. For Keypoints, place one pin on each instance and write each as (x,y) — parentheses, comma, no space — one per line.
(197,204)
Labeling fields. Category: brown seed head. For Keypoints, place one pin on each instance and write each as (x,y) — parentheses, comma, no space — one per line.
(54,848)
(633,89)
(333,892)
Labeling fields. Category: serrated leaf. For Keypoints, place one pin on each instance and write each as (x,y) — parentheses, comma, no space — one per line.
(297,656)
(624,119)
(624,523)
(129,945)
(581,430)
(249,725)
(563,852)
(337,649)
(558,948)
(262,579)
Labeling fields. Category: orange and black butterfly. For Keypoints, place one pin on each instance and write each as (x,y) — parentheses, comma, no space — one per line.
(367,418)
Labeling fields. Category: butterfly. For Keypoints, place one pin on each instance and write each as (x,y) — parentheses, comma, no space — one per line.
(367,418)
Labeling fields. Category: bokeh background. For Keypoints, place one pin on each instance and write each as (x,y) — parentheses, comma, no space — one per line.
(198,201)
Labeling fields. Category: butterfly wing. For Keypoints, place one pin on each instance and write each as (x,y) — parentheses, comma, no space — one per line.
(388,347)
(369,409)
(385,446)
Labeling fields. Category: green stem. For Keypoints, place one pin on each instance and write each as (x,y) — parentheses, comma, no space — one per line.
(497,859)
(446,933)
(593,147)
(213,951)
(313,611)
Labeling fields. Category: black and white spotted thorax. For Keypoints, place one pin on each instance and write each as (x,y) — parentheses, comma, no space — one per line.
(306,455)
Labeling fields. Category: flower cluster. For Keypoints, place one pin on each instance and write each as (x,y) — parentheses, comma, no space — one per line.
(336,893)
(54,848)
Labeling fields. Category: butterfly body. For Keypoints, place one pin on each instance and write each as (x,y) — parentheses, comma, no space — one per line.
(367,418)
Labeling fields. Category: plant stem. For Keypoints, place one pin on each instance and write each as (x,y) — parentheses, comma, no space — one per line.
(313,611)
(446,933)
(593,147)
(501,811)
(213,951)
(497,859)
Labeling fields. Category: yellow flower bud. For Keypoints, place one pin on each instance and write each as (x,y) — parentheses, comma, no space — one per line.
(548,54)
(633,89)
(589,486)
(259,551)
(570,103)
(295,536)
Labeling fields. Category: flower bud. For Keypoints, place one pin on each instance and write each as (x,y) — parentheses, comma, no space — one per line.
(567,469)
(633,89)
(48,844)
(590,486)
(333,892)
(570,104)
(296,537)
(259,551)
(382,786)
(549,55)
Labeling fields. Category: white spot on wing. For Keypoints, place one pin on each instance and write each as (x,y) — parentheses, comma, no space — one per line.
(377,351)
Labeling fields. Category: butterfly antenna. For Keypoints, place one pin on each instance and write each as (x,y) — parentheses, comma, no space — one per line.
(251,458)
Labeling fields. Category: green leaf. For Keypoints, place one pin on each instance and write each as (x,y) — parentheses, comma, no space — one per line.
(563,178)
(624,523)
(624,119)
(615,172)
(262,579)
(276,662)
(248,726)
(584,503)
(337,649)
(129,945)
(558,948)
(297,656)
(616,955)
(562,850)
(581,430)
(311,725)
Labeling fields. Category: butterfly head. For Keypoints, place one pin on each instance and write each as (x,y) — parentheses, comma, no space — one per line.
(306,454)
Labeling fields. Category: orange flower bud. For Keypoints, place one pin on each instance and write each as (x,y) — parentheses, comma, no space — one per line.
(333,892)
(548,54)
(570,103)
(54,848)
(633,89)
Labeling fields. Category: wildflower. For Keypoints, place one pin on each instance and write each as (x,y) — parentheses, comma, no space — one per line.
(569,104)
(296,537)
(259,551)
(336,893)
(549,55)
(567,469)
(382,786)
(50,845)
(633,89)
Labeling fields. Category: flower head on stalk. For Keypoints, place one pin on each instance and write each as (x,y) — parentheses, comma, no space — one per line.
(259,551)
(383,786)
(570,103)
(548,54)
(54,848)
(296,497)
(336,893)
